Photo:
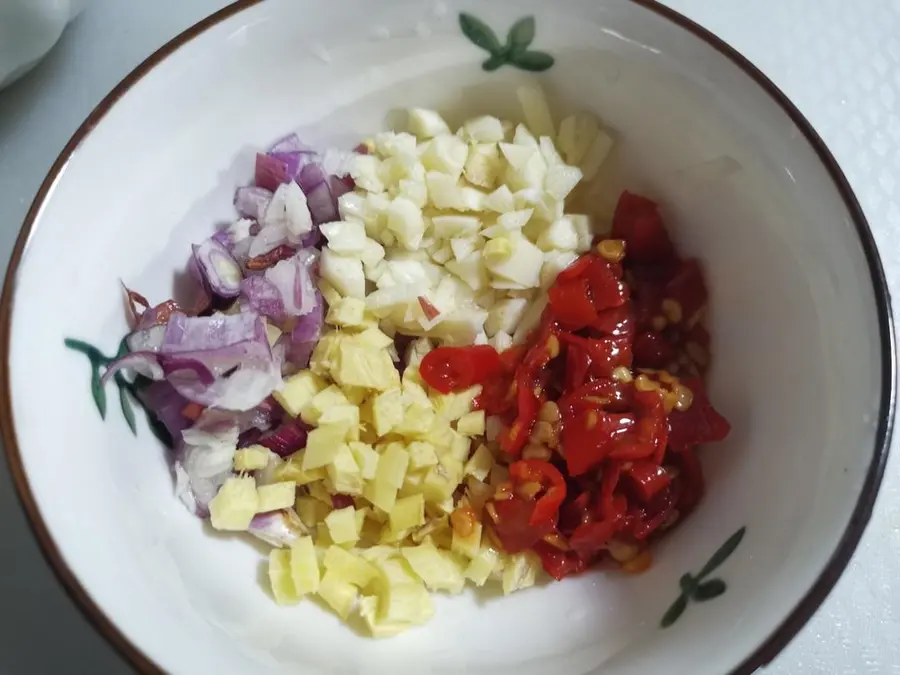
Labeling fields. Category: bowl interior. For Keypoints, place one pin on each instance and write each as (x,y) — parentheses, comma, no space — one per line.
(798,353)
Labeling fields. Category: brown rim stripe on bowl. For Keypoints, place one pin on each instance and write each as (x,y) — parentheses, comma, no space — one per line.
(773,644)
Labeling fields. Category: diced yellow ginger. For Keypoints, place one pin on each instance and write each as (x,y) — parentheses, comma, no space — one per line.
(329,397)
(401,596)
(368,610)
(348,567)
(304,566)
(440,570)
(235,504)
(380,493)
(412,483)
(364,366)
(373,338)
(344,473)
(454,405)
(323,535)
(469,545)
(346,313)
(415,394)
(408,512)
(520,571)
(343,414)
(332,297)
(405,603)
(471,424)
(311,510)
(292,469)
(366,459)
(387,410)
(393,570)
(460,448)
(325,355)
(280,577)
(452,467)
(319,491)
(416,422)
(338,593)
(276,496)
(438,485)
(377,553)
(483,565)
(441,435)
(392,465)
(361,515)
(322,445)
(252,458)
(421,455)
(480,463)
(342,525)
(298,390)
(356,395)
(411,374)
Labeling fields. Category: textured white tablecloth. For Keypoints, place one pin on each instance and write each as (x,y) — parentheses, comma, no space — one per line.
(840,63)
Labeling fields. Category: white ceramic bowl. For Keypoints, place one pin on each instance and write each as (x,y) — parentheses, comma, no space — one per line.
(801,323)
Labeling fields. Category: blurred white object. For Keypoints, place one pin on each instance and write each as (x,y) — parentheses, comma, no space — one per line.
(28,30)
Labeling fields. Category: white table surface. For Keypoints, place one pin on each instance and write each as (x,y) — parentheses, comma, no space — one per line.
(839,64)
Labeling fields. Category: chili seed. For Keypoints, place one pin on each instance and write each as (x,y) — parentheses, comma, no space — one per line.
(644,383)
(612,250)
(537,392)
(659,323)
(670,400)
(672,310)
(697,353)
(543,432)
(592,419)
(536,451)
(684,396)
(621,551)
(528,490)
(639,564)
(622,374)
(549,412)
(553,346)
(463,520)
(504,492)
(666,377)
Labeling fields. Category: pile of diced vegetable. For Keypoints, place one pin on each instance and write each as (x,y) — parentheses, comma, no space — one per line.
(290,390)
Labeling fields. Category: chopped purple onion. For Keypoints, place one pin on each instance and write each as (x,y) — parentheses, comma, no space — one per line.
(220,271)
(143,363)
(286,439)
(263,297)
(290,143)
(251,201)
(278,528)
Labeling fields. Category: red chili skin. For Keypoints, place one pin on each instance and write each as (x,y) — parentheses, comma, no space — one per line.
(546,508)
(449,369)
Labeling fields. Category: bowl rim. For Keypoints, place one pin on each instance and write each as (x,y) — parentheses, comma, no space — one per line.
(780,636)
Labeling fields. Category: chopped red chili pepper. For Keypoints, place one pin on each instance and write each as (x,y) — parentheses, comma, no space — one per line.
(551,482)
(627,468)
(449,369)
(266,260)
